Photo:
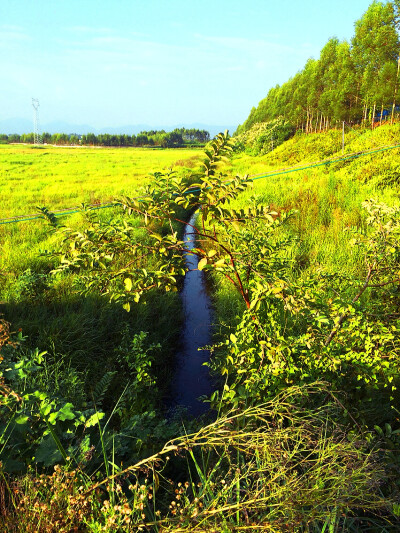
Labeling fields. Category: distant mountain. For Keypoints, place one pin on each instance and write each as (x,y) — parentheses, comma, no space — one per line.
(60,126)
(16,125)
(21,125)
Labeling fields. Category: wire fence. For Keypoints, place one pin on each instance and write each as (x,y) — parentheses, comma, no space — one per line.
(254,177)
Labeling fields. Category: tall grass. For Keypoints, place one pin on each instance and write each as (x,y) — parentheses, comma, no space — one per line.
(327,200)
(296,463)
(277,467)
(65,177)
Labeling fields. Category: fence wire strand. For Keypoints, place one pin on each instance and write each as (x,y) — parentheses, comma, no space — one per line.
(254,177)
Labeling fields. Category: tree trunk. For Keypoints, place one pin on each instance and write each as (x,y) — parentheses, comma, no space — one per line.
(365,112)
(373,117)
(395,90)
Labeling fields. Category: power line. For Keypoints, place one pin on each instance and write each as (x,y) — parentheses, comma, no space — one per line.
(322,163)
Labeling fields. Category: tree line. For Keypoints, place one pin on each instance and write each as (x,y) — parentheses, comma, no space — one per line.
(353,82)
(177,137)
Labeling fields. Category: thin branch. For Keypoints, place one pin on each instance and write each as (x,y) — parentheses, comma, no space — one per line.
(385,283)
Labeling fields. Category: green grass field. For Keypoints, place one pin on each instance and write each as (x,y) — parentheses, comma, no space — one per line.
(61,178)
(326,199)
(58,320)
(65,177)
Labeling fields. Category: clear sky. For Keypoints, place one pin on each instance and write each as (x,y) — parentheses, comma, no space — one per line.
(158,62)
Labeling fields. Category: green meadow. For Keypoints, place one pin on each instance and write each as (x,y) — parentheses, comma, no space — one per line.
(296,224)
(65,177)
(326,201)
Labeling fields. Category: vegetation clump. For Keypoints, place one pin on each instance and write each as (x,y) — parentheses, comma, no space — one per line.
(278,466)
(263,137)
(278,456)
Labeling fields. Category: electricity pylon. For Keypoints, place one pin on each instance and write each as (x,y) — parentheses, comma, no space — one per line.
(37,139)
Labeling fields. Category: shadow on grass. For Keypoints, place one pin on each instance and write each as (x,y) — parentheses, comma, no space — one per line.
(86,331)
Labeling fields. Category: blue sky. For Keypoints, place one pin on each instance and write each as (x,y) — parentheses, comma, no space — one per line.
(158,62)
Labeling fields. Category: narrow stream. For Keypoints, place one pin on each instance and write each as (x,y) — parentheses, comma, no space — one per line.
(191,378)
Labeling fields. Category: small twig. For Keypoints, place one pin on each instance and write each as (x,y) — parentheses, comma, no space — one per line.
(385,283)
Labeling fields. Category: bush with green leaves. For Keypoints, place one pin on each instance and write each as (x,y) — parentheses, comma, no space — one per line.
(31,286)
(264,137)
(277,466)
(45,417)
(307,466)
(346,330)
(294,329)
(38,424)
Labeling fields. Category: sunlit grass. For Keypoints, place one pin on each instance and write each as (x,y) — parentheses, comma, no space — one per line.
(285,465)
(274,467)
(64,177)
(57,319)
(327,200)
(61,178)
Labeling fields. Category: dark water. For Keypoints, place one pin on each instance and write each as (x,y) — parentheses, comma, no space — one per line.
(191,378)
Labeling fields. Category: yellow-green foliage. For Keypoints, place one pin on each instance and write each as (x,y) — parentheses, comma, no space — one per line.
(65,177)
(289,463)
(272,468)
(263,137)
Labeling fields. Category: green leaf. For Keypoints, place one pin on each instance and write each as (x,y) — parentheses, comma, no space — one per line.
(45,409)
(65,413)
(235,225)
(94,419)
(128,284)
(48,452)
(11,465)
(22,419)
(202,263)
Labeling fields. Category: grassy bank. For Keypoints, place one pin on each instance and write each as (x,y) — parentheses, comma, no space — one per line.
(326,201)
